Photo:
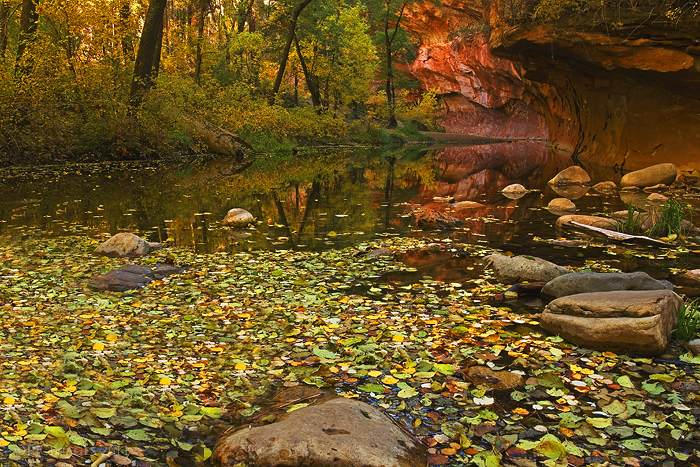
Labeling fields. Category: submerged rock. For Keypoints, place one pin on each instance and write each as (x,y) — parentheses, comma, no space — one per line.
(339,432)
(573,175)
(434,220)
(637,322)
(125,244)
(656,174)
(495,380)
(131,276)
(238,217)
(587,282)
(523,268)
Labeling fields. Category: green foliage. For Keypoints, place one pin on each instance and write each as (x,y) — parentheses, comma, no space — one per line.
(633,223)
(688,321)
(424,111)
(671,220)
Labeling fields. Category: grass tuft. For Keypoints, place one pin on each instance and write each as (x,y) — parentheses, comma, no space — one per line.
(673,214)
(688,321)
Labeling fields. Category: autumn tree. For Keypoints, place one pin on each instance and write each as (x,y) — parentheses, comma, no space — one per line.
(28,24)
(291,31)
(5,11)
(151,33)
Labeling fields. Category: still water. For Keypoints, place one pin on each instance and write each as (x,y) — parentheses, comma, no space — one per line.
(316,201)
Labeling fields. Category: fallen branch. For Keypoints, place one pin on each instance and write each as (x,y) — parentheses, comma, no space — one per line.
(618,236)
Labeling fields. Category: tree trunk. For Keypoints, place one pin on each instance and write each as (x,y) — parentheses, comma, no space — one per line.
(29,20)
(146,55)
(288,45)
(203,7)
(127,46)
(310,83)
(4,26)
(388,42)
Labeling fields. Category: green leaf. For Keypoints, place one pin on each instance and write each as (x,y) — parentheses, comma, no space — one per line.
(138,435)
(635,445)
(104,412)
(653,388)
(615,408)
(598,422)
(662,377)
(550,380)
(625,382)
(211,412)
(552,449)
(371,387)
(325,354)
(444,368)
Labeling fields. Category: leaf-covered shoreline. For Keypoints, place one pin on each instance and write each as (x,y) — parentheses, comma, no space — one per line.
(156,375)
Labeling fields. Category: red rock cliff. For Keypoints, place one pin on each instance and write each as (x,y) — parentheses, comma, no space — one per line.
(628,96)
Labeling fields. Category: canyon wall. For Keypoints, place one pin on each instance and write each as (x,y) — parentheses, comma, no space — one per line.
(621,98)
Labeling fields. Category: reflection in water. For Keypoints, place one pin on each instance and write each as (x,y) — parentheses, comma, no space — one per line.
(311,202)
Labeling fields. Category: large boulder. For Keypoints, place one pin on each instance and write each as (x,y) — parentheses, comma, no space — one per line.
(339,433)
(125,244)
(238,217)
(131,276)
(587,282)
(636,322)
(654,175)
(516,269)
(573,175)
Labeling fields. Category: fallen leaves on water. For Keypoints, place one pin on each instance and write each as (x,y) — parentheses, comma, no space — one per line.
(155,376)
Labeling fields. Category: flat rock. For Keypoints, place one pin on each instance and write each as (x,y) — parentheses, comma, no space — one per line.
(561,205)
(587,282)
(238,217)
(595,221)
(656,174)
(339,432)
(636,322)
(605,188)
(494,380)
(573,175)
(131,276)
(125,244)
(523,269)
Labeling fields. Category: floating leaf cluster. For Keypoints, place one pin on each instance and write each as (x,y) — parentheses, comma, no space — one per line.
(155,376)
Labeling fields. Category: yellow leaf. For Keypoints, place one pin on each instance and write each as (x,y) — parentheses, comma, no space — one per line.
(98,346)
(239,366)
(389,380)
(374,373)
(397,338)
(8,400)
(4,443)
(164,382)
(111,337)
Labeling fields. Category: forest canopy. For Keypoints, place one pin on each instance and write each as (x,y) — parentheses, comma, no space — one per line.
(274,72)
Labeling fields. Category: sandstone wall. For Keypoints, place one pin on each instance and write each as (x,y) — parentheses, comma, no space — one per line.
(623,98)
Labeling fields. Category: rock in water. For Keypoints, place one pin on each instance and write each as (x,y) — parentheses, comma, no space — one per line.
(524,269)
(588,282)
(339,432)
(125,244)
(654,175)
(595,221)
(558,205)
(573,175)
(238,217)
(514,191)
(605,188)
(636,322)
